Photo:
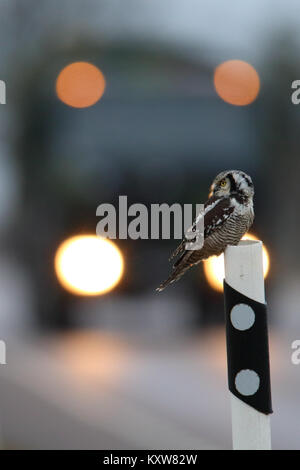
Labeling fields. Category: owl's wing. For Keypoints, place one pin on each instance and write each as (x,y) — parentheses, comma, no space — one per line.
(216,212)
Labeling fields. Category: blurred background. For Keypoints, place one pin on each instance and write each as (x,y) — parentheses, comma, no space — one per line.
(107,98)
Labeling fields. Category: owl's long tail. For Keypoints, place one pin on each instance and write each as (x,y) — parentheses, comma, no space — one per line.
(186,260)
(174,276)
(179,268)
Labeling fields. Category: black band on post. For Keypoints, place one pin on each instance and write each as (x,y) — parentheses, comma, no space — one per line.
(247,350)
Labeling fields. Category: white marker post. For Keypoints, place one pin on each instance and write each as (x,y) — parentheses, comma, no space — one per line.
(244,273)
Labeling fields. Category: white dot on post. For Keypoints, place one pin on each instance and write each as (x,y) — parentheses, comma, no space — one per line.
(247,382)
(242,317)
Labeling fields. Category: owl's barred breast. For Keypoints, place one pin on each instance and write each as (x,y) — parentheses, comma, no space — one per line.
(229,234)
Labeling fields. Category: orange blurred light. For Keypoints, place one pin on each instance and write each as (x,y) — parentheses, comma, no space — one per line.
(88,265)
(214,266)
(80,84)
(236,82)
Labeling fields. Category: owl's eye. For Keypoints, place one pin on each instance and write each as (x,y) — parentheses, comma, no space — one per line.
(223,183)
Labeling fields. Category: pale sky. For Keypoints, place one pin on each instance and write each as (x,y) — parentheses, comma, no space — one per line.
(229,26)
(222,28)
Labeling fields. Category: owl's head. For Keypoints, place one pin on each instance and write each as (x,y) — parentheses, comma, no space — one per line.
(233,182)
